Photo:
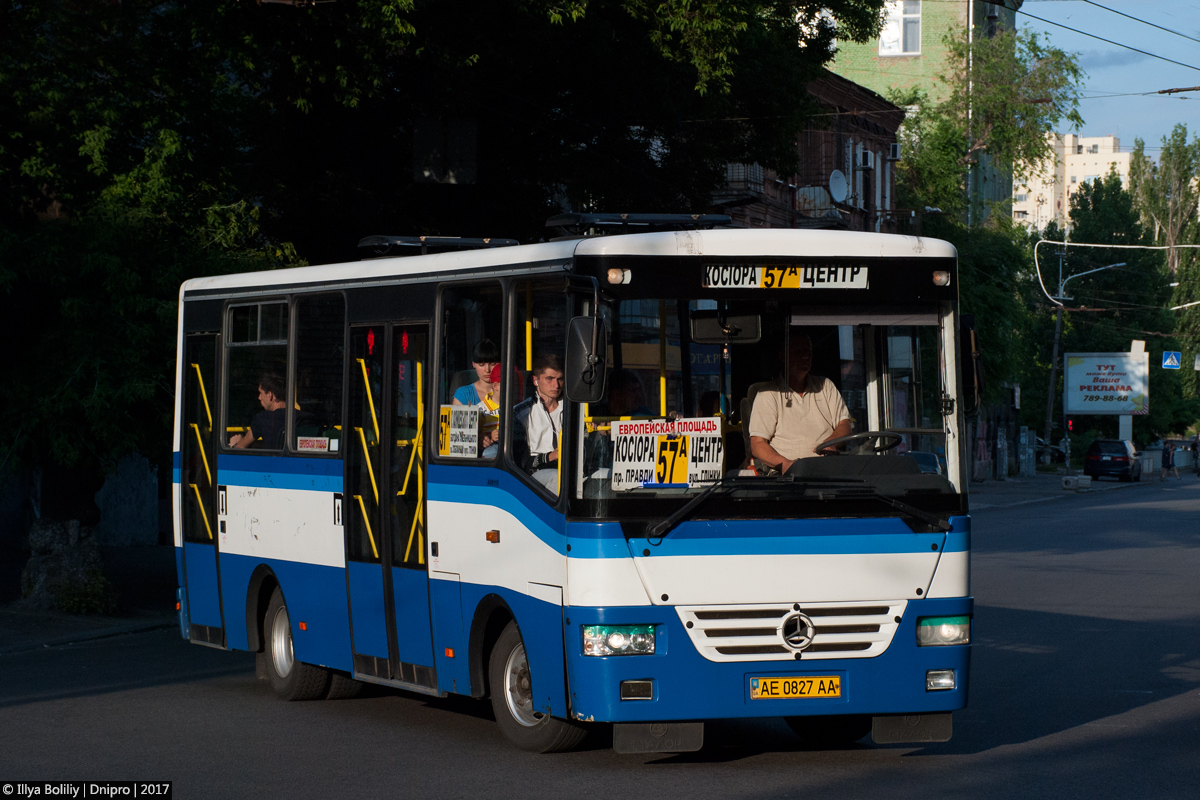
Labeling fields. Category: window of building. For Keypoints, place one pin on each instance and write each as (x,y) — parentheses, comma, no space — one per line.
(1020,198)
(901,34)
(1021,214)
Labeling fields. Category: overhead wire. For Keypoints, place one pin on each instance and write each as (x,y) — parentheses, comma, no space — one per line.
(1109,41)
(1143,21)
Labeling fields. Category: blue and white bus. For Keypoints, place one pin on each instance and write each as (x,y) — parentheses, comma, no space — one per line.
(663,578)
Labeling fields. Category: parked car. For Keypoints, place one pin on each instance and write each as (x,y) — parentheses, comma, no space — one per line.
(1114,458)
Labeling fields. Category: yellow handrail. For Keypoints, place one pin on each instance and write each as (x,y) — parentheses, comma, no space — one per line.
(370,398)
(362,437)
(203,395)
(367,522)
(529,328)
(204,456)
(203,513)
(662,357)
(415,458)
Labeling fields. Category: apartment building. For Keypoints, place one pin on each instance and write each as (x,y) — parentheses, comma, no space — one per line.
(1046,195)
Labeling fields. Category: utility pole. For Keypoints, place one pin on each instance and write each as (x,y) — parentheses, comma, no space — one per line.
(1054,363)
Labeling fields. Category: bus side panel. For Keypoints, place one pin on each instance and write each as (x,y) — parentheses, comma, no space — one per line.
(284,512)
(367,614)
(449,633)
(539,616)
(414,634)
(526,567)
(204,604)
(315,595)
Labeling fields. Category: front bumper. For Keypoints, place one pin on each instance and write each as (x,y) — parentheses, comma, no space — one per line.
(686,686)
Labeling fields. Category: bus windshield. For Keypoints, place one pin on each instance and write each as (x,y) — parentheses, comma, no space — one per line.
(682,409)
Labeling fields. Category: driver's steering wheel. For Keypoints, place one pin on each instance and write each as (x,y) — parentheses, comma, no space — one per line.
(857,442)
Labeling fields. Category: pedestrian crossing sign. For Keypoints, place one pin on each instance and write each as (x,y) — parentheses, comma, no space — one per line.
(1171,359)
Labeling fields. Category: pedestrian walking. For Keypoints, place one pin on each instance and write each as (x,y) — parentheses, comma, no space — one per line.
(1168,462)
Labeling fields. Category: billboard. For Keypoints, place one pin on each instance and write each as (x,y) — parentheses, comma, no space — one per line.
(1106,383)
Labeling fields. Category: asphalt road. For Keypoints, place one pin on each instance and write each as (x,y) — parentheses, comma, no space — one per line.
(1085,683)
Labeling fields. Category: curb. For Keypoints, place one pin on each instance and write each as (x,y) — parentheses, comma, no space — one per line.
(101,633)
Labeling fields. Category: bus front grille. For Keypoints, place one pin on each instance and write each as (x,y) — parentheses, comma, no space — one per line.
(755,632)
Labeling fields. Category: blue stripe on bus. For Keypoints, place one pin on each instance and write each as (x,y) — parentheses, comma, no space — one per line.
(280,472)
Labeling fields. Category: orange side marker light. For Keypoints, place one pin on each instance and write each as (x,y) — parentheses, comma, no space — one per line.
(303,626)
(449,652)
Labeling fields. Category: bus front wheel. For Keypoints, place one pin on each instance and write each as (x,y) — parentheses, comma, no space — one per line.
(512,700)
(291,679)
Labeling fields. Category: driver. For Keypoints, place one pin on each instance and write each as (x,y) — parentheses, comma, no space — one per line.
(792,420)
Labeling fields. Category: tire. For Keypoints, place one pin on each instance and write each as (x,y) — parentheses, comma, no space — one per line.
(829,733)
(512,701)
(343,687)
(291,679)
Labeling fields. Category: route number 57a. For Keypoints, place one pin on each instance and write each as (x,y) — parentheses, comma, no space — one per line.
(672,466)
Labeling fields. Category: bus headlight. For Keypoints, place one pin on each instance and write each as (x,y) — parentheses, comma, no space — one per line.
(940,631)
(618,640)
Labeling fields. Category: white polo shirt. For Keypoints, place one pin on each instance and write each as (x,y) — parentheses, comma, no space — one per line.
(794,430)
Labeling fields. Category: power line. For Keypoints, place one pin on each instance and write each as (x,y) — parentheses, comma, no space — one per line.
(1144,22)
(1109,41)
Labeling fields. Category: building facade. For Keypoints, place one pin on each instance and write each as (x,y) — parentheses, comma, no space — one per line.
(911,53)
(1046,195)
(846,177)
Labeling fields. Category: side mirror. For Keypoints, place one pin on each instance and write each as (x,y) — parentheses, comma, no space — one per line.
(586,363)
(709,328)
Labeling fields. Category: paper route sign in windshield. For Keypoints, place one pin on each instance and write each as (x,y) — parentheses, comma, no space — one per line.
(666,452)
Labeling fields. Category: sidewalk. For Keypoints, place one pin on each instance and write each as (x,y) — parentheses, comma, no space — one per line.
(1039,488)
(144,578)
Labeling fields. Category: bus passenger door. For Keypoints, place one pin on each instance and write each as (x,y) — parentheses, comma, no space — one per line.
(387,570)
(197,474)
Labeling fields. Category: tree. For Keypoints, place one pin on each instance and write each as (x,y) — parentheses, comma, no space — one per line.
(1167,192)
(1005,94)
(147,142)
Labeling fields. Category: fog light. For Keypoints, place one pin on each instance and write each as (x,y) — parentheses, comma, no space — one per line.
(637,690)
(941,631)
(618,640)
(941,277)
(939,680)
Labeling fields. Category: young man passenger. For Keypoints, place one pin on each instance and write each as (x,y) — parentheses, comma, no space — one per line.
(791,420)
(540,417)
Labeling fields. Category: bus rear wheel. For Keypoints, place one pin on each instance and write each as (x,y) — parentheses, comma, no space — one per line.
(512,701)
(291,679)
(830,732)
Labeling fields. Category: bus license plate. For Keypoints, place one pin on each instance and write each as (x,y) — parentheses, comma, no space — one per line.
(794,687)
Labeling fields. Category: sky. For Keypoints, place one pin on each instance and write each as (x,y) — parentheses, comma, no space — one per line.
(1114,70)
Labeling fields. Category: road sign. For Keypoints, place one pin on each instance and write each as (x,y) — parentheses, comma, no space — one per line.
(1172,359)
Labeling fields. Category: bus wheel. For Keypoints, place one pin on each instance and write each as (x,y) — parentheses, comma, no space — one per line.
(819,733)
(291,679)
(512,701)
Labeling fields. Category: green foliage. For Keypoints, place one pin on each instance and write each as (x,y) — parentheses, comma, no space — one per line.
(1167,192)
(1005,94)
(91,595)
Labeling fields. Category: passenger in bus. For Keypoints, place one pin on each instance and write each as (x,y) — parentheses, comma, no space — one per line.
(484,358)
(267,424)
(539,422)
(489,408)
(790,420)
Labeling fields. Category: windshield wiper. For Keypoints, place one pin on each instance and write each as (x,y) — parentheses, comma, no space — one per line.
(662,528)
(871,493)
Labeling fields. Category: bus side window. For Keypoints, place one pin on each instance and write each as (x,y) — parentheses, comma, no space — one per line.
(257,353)
(472,321)
(540,321)
(320,345)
